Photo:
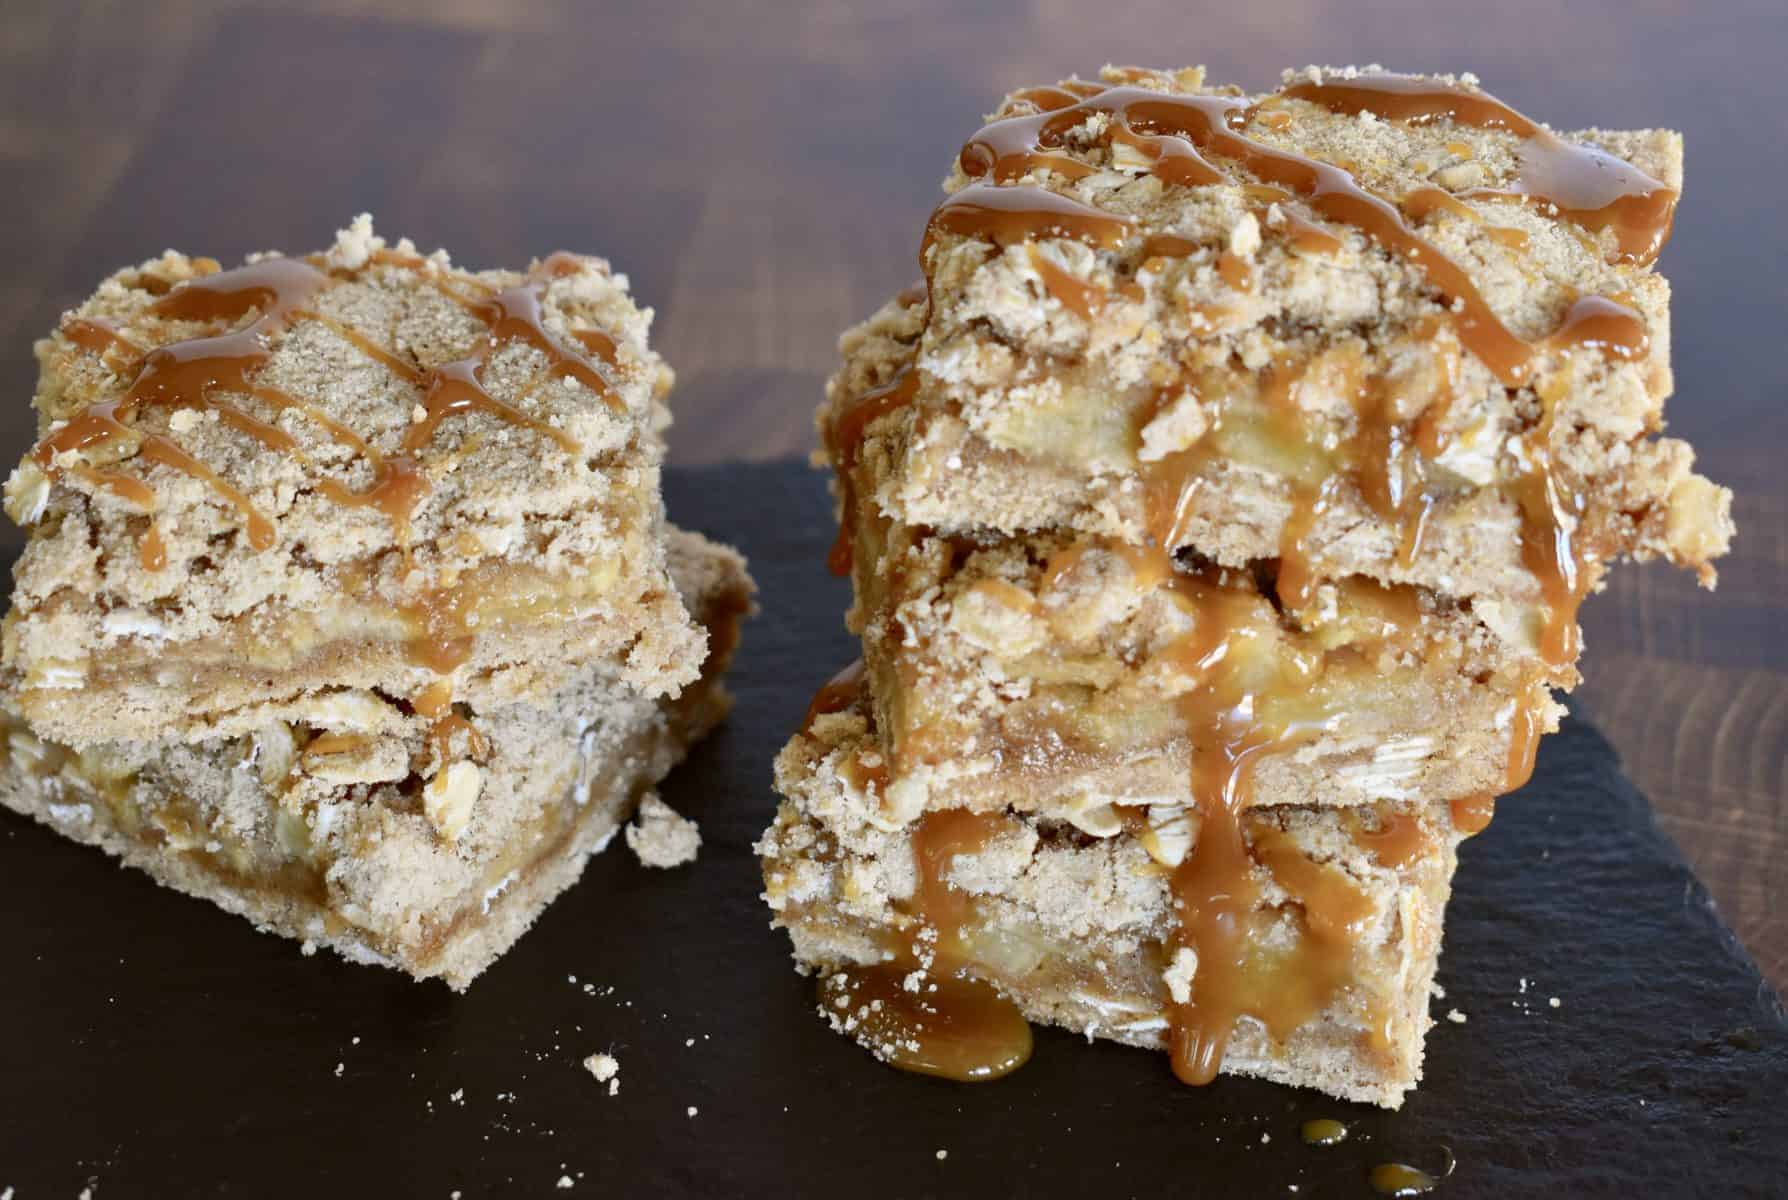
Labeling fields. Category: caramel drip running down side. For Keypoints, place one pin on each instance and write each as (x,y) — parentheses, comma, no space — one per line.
(1472,814)
(844,441)
(1200,140)
(947,1023)
(1008,149)
(835,695)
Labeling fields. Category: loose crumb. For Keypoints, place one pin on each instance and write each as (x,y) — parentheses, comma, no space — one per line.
(693,1110)
(565,1182)
(1553,1001)
(339,1068)
(659,837)
(1455,1016)
(607,1069)
(942,1155)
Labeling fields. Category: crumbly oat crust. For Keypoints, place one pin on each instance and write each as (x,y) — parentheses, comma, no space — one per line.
(1043,673)
(426,846)
(385,470)
(1075,929)
(1054,376)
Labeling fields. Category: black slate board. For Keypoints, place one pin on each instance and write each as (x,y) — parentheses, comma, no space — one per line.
(160,1047)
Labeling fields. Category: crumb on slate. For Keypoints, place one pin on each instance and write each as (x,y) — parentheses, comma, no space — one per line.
(659,837)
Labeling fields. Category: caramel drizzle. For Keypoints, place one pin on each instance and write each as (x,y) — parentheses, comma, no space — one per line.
(1472,814)
(1217,891)
(188,374)
(835,695)
(1215,886)
(844,440)
(281,291)
(951,1023)
(1590,187)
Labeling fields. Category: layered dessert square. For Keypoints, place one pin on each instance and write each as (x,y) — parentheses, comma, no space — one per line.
(1368,324)
(363,468)
(1218,509)
(1313,969)
(352,822)
(1067,673)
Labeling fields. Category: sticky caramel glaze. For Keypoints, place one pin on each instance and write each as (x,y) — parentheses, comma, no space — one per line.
(1078,297)
(836,694)
(153,552)
(950,1024)
(1400,1179)
(187,374)
(1008,216)
(1588,186)
(1398,841)
(844,443)
(1010,148)
(1472,814)
(99,336)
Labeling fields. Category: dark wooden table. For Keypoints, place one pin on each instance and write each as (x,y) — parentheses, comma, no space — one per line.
(762,172)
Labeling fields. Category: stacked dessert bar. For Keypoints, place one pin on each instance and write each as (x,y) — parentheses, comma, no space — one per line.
(349,602)
(1217,514)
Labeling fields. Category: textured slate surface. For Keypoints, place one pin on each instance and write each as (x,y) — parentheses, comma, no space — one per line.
(160,1047)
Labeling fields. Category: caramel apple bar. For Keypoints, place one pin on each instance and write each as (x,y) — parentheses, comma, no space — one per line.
(350,821)
(364,468)
(1063,674)
(1365,325)
(1303,953)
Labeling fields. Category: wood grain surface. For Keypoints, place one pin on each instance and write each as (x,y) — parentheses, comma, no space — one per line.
(762,172)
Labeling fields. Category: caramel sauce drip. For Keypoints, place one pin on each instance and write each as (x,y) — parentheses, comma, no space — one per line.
(1401,1179)
(1586,185)
(1077,296)
(435,700)
(949,1024)
(1323,1131)
(844,441)
(836,694)
(1217,888)
(953,1028)
(99,336)
(1472,814)
(153,553)
(1009,216)
(1398,841)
